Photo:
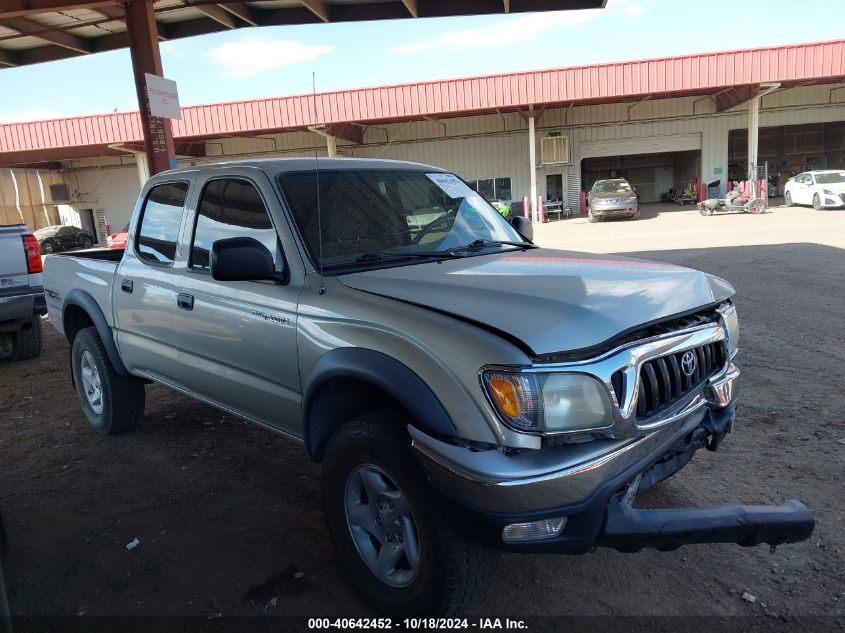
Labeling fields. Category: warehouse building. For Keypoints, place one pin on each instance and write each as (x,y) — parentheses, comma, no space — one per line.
(664,124)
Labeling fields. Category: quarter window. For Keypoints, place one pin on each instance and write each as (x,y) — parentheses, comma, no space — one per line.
(230,208)
(160,221)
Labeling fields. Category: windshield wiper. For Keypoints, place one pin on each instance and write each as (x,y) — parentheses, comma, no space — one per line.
(479,244)
(380,255)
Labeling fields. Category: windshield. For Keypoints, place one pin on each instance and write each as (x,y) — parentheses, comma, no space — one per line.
(369,216)
(611,186)
(830,178)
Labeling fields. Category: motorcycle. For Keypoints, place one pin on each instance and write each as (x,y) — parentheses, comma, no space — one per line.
(731,203)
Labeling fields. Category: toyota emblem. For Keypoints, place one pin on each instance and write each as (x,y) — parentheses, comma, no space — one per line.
(688,363)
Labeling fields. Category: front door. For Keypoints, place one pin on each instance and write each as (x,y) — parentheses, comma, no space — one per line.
(239,337)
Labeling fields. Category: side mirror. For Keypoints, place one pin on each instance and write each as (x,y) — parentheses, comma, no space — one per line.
(241,259)
(523,227)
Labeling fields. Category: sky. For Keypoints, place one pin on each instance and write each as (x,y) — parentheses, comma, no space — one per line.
(277,61)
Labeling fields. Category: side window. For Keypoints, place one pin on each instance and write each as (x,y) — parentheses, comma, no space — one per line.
(160,220)
(230,208)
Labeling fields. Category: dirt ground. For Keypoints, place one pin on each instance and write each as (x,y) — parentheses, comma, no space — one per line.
(229,516)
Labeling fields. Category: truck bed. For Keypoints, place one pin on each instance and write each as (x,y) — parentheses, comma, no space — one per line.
(88,272)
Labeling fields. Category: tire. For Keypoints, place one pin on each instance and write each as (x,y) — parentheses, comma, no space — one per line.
(817,202)
(593,219)
(86,242)
(120,405)
(787,199)
(27,342)
(48,247)
(757,206)
(449,571)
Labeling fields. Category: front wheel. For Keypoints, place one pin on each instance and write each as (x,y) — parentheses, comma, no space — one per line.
(389,530)
(86,242)
(112,403)
(787,198)
(48,247)
(817,202)
(593,219)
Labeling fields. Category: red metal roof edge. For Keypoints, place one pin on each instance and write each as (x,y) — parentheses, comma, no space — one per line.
(383,102)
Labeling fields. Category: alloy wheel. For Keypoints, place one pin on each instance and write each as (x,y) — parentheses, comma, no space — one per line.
(382,525)
(91,384)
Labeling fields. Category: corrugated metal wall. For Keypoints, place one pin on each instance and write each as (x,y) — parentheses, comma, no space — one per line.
(496,146)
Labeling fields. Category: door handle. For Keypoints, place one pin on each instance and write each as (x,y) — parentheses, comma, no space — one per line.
(127,286)
(185,301)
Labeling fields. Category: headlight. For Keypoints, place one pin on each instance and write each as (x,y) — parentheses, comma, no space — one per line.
(548,403)
(632,199)
(731,321)
(828,192)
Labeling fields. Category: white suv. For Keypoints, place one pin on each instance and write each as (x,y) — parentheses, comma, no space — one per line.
(822,188)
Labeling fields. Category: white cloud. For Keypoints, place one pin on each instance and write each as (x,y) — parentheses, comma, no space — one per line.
(36,114)
(515,30)
(512,31)
(247,58)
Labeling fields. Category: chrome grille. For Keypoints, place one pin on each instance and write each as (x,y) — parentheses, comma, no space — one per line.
(662,380)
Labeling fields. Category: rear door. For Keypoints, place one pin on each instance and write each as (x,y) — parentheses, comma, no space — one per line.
(239,337)
(145,289)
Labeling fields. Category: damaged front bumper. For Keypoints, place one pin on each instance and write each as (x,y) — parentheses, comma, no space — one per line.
(584,491)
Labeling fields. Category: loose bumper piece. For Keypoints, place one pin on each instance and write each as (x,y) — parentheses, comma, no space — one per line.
(629,530)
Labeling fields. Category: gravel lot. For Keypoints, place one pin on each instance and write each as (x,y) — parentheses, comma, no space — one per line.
(229,516)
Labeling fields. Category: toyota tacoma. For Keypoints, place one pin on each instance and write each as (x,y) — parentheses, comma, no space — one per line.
(462,388)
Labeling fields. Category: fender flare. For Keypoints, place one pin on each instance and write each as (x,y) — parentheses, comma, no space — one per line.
(383,372)
(84,300)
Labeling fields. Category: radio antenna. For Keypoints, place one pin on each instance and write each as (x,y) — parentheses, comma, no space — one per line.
(317,178)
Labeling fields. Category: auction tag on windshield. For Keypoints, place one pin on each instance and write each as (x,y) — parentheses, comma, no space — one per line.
(451,185)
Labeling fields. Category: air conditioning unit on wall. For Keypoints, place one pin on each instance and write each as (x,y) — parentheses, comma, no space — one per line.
(554,150)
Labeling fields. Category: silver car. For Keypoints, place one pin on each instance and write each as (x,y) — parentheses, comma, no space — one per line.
(612,198)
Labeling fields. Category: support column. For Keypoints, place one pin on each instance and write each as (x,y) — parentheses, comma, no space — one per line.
(331,146)
(532,159)
(753,134)
(146,58)
(143,168)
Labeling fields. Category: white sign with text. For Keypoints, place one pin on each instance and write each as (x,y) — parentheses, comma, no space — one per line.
(164,99)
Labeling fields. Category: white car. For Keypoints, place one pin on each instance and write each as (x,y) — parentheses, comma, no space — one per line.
(822,188)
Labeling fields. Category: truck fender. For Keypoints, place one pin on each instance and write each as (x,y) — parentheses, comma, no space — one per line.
(86,302)
(322,416)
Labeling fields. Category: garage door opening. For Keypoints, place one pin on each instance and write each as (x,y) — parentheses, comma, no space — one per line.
(651,175)
(788,150)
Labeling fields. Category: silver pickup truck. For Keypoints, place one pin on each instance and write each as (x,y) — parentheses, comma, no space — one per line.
(21,294)
(462,388)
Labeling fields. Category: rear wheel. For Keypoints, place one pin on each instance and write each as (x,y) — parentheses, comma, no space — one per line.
(28,341)
(817,202)
(787,198)
(112,403)
(389,531)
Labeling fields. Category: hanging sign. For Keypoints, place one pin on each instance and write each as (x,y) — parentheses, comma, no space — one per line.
(163,97)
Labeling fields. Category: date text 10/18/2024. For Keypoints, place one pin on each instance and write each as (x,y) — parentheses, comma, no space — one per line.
(436,624)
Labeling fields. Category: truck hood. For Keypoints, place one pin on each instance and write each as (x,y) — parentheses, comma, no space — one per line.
(552,301)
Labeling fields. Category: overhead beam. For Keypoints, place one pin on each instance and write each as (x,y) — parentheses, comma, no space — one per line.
(318,8)
(242,11)
(7,58)
(413,7)
(732,97)
(113,13)
(18,8)
(25,26)
(218,15)
(347,132)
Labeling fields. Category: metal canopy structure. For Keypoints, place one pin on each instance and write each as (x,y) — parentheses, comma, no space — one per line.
(35,31)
